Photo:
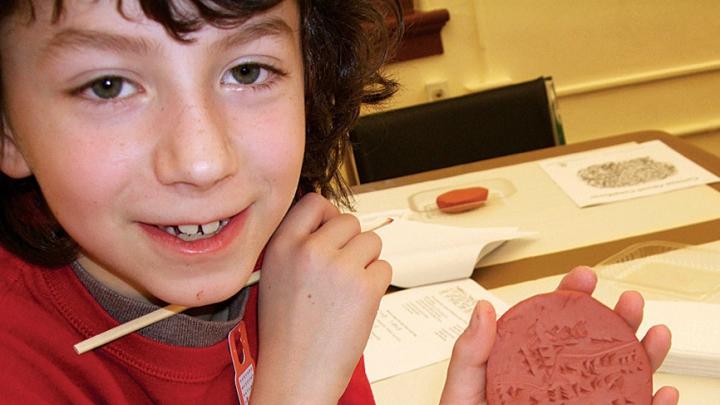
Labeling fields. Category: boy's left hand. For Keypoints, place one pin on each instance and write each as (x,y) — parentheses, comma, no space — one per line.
(465,382)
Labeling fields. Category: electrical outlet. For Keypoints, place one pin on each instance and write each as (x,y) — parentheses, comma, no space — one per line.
(436,90)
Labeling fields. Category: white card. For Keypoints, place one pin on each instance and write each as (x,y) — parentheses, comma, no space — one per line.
(616,174)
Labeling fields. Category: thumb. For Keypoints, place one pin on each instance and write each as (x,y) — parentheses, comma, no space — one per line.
(465,383)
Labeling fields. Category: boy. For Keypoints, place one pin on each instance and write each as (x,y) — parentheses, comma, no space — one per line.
(151,151)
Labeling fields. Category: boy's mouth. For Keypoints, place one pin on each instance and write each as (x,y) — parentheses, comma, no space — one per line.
(193,232)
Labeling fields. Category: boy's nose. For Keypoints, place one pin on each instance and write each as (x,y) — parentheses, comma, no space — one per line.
(197,149)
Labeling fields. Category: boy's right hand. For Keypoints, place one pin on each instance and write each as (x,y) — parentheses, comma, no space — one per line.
(320,290)
(465,382)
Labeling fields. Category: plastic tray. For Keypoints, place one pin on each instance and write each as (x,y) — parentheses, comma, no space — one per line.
(665,270)
(423,202)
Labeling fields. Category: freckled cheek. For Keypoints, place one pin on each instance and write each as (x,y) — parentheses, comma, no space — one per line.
(283,158)
(82,183)
(278,147)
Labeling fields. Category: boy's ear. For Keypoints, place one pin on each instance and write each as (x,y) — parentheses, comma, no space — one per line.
(12,161)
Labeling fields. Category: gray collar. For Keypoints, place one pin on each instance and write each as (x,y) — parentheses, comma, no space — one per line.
(179,330)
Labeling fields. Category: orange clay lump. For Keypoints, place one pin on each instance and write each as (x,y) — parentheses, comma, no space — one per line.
(462,199)
(566,348)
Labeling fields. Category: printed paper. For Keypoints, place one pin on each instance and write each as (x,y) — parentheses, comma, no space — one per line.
(608,175)
(418,327)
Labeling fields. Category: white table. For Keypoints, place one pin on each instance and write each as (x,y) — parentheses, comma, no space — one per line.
(509,279)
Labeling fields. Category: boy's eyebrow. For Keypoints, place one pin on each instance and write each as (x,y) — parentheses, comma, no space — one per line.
(81,38)
(264,27)
(77,38)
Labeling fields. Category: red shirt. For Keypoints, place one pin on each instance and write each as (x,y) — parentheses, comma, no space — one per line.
(44,312)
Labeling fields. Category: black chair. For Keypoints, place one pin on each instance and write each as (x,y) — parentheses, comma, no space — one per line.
(497,122)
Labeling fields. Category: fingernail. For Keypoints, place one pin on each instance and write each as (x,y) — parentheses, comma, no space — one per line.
(482,309)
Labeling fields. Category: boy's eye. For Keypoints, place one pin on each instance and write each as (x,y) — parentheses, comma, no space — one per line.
(108,88)
(247,74)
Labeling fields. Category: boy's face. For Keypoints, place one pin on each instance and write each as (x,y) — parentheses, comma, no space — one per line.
(132,134)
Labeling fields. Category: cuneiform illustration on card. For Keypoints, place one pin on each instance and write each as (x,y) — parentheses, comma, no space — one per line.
(626,173)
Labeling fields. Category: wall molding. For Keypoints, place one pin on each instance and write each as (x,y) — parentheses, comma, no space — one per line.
(695,128)
(593,86)
(638,78)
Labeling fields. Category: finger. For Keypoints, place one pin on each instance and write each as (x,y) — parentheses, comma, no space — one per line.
(337,231)
(380,272)
(666,396)
(581,278)
(657,343)
(630,307)
(364,247)
(465,381)
(307,215)
(475,343)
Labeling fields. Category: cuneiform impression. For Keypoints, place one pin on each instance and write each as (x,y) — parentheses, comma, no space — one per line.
(626,173)
(566,348)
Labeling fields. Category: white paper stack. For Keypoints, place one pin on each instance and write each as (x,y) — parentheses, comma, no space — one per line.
(423,253)
(695,328)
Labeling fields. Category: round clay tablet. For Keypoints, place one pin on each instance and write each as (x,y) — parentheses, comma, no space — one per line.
(566,348)
(462,199)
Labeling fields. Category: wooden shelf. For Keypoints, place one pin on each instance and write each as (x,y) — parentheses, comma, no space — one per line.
(422,32)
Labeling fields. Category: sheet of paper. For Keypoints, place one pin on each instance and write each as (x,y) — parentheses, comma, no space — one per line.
(418,327)
(614,175)
(423,253)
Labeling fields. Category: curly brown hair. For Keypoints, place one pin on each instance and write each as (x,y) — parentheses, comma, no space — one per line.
(345,43)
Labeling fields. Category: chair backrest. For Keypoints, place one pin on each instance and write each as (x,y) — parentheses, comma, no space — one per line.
(448,132)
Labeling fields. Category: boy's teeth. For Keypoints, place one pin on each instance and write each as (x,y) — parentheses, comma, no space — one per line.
(210,228)
(189,229)
(190,238)
(191,232)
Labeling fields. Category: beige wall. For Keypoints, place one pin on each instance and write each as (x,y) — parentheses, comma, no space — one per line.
(618,65)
